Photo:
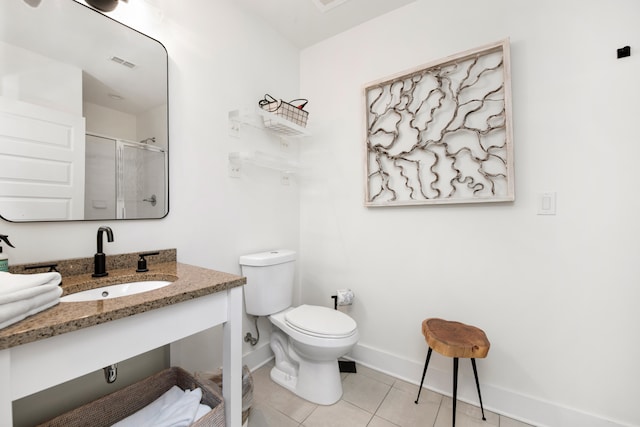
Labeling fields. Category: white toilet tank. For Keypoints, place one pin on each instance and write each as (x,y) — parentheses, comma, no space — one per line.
(269,287)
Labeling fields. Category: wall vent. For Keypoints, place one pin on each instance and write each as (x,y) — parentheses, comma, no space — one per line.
(326,5)
(123,62)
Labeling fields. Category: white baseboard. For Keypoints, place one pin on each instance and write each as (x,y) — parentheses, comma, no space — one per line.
(514,405)
(260,355)
(511,404)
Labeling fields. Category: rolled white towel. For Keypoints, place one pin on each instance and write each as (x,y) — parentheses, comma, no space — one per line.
(181,413)
(174,409)
(202,411)
(15,311)
(10,282)
(145,416)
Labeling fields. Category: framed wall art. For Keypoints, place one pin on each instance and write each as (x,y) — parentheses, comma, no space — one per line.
(442,132)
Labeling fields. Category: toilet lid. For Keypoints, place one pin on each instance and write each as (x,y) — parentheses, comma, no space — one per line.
(320,321)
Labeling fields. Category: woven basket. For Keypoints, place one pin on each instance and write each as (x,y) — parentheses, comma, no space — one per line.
(116,406)
(247,387)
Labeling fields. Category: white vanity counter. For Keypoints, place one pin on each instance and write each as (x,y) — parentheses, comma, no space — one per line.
(73,339)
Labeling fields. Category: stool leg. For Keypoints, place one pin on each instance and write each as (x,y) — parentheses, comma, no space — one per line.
(424,372)
(455,388)
(475,373)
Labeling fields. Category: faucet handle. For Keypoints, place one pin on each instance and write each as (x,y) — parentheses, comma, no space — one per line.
(142,262)
(52,267)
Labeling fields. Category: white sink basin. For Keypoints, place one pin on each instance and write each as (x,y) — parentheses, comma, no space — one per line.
(115,291)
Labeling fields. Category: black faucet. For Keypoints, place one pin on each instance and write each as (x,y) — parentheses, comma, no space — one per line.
(100,264)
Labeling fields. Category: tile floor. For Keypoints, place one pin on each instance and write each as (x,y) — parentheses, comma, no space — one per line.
(370,399)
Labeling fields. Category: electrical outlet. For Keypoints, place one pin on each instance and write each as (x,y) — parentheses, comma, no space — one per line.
(234,170)
(285,179)
(234,129)
(284,145)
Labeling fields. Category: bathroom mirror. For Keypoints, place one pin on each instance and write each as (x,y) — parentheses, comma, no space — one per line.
(83,116)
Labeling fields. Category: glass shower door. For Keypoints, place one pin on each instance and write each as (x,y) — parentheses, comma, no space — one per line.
(140,193)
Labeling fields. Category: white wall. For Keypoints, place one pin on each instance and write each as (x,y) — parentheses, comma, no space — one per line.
(100,178)
(111,123)
(37,79)
(213,218)
(151,123)
(556,295)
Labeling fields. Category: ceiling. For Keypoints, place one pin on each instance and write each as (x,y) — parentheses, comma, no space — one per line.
(82,38)
(302,22)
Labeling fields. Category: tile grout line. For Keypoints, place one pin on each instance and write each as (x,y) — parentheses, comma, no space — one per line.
(307,417)
(435,420)
(375,412)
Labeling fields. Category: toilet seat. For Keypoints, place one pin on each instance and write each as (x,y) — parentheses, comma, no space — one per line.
(321,322)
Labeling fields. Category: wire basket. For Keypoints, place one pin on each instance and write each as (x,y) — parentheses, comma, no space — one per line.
(286,110)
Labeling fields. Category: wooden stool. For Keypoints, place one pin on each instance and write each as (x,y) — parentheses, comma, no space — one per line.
(455,339)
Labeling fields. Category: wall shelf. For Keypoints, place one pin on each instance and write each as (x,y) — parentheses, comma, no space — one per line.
(256,117)
(264,160)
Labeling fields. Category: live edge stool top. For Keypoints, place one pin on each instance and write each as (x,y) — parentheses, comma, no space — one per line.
(455,339)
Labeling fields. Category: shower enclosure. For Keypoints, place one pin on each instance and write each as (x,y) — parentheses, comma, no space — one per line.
(124,179)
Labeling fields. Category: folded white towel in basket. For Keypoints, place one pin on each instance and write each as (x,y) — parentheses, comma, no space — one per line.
(16,310)
(202,411)
(181,413)
(10,282)
(174,408)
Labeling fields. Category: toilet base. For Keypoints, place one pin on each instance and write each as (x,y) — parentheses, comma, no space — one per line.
(307,365)
(317,382)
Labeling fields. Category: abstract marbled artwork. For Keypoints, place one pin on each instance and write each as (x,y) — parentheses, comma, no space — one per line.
(441,133)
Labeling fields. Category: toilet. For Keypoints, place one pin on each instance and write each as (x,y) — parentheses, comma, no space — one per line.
(306,340)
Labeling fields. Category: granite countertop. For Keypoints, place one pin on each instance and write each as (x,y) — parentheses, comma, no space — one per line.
(189,282)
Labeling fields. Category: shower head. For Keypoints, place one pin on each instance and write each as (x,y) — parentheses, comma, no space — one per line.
(104,5)
(33,3)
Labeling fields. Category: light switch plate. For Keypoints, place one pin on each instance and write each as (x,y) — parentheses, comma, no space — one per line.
(547,203)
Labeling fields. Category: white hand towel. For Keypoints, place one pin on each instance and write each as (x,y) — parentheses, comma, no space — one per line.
(146,415)
(167,410)
(10,283)
(202,411)
(26,293)
(181,413)
(13,312)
